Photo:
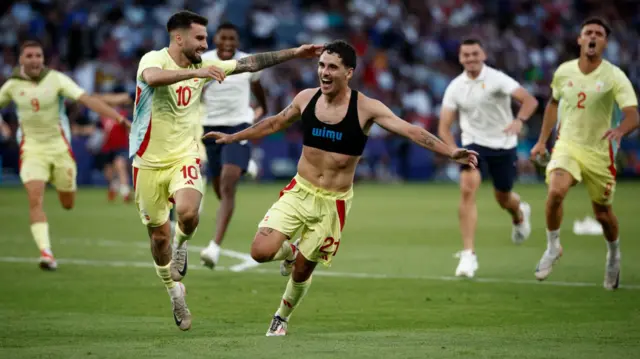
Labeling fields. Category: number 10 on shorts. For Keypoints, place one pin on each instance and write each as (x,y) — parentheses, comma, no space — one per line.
(189,172)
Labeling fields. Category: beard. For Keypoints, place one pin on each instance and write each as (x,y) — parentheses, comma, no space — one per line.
(195,59)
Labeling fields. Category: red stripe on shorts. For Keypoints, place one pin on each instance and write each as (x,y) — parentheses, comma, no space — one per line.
(67,143)
(135,177)
(341,212)
(288,187)
(612,166)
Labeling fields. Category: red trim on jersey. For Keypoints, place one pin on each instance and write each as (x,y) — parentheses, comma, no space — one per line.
(288,187)
(612,166)
(340,206)
(64,138)
(138,92)
(145,141)
(135,177)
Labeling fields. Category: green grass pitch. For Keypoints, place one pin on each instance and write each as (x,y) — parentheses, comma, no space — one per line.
(389,294)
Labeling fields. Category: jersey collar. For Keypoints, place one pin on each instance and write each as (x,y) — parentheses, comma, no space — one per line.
(481,76)
(15,74)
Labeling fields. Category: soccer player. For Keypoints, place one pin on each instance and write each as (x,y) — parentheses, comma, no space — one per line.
(587,141)
(335,122)
(481,97)
(163,144)
(227,110)
(45,153)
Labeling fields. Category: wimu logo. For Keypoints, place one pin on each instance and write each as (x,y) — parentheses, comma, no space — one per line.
(328,134)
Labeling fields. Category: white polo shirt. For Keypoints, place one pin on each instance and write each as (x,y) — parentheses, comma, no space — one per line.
(227,103)
(484,107)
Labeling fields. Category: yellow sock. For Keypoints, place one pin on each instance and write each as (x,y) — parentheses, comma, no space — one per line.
(284,252)
(164,273)
(180,237)
(292,297)
(40,232)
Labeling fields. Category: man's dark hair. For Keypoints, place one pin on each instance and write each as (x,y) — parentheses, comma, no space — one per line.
(471,41)
(227,26)
(598,21)
(183,20)
(30,43)
(344,50)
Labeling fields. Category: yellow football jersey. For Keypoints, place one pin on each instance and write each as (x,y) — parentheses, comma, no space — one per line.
(162,132)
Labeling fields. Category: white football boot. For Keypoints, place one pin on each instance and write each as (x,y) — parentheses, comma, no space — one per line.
(179,261)
(612,271)
(181,313)
(521,231)
(210,255)
(252,169)
(286,266)
(278,327)
(549,258)
(468,264)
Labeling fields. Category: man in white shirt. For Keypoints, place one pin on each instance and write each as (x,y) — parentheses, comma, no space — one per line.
(227,109)
(481,97)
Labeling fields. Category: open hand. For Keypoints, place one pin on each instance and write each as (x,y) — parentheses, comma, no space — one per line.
(219,137)
(211,72)
(465,157)
(514,127)
(308,51)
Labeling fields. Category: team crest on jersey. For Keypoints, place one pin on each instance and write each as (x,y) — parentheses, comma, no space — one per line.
(21,93)
(484,85)
(570,83)
(599,86)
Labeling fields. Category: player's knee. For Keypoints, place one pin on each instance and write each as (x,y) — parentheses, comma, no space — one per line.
(159,238)
(228,188)
(503,199)
(605,217)
(468,193)
(189,216)
(261,250)
(35,203)
(556,195)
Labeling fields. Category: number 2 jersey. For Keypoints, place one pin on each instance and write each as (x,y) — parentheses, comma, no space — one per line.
(44,125)
(164,119)
(587,106)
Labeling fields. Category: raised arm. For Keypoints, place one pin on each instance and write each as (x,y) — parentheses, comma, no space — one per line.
(384,117)
(265,127)
(155,76)
(257,62)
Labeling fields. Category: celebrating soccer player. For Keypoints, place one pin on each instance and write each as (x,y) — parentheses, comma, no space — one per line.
(336,121)
(481,96)
(587,141)
(162,141)
(45,153)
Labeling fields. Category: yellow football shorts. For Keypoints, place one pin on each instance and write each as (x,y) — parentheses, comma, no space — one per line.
(154,188)
(596,170)
(318,213)
(57,167)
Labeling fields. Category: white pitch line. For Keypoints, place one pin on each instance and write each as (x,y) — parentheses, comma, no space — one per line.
(105,263)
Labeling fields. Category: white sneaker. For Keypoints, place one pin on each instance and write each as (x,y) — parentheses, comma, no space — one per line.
(181,313)
(252,169)
(521,231)
(278,327)
(549,258)
(286,266)
(179,263)
(47,262)
(210,255)
(468,264)
(612,271)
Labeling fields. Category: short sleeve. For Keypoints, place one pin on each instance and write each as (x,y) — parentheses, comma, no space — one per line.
(5,97)
(68,87)
(556,86)
(149,60)
(623,91)
(448,100)
(227,66)
(506,84)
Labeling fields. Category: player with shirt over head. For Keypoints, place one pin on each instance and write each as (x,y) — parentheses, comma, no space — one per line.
(163,144)
(228,110)
(481,97)
(336,121)
(588,138)
(44,134)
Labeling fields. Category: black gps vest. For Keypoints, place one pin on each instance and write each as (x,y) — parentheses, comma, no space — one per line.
(345,137)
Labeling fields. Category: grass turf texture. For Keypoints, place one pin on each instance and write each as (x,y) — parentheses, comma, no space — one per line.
(390,295)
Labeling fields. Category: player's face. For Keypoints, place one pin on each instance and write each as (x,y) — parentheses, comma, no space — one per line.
(226,42)
(193,42)
(472,57)
(32,60)
(592,40)
(333,74)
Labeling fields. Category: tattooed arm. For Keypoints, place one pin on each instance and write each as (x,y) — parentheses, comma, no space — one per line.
(383,116)
(269,125)
(263,60)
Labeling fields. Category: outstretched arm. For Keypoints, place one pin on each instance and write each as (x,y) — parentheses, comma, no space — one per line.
(263,128)
(99,106)
(263,60)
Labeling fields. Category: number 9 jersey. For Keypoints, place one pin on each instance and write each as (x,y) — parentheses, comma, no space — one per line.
(164,116)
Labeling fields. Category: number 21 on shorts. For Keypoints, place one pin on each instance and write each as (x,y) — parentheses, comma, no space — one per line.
(326,250)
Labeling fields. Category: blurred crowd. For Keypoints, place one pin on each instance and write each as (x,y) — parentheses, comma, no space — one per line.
(407,50)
